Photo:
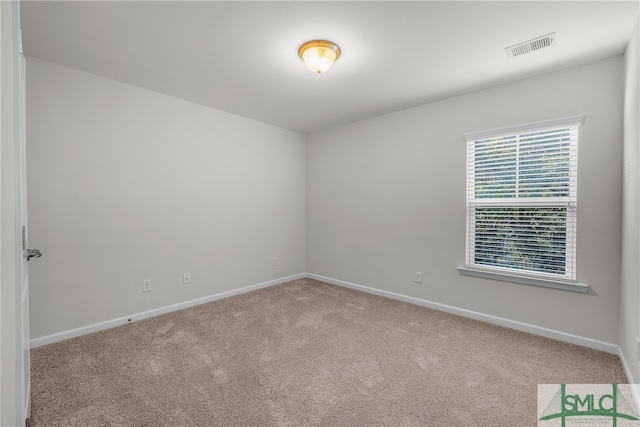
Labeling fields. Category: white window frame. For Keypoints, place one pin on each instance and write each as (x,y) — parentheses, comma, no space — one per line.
(568,280)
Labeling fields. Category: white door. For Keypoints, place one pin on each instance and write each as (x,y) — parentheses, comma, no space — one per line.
(22,314)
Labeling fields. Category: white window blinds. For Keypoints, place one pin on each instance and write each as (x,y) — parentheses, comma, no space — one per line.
(522,199)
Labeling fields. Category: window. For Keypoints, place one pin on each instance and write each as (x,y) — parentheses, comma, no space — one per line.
(522,200)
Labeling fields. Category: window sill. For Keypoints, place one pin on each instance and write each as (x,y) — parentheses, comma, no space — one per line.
(556,284)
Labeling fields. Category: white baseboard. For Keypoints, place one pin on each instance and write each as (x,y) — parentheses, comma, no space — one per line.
(525,327)
(512,324)
(625,367)
(635,388)
(61,336)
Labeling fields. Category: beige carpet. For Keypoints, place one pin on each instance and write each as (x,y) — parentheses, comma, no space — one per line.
(305,353)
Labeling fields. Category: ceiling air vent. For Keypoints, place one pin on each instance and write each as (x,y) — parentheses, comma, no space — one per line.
(531,45)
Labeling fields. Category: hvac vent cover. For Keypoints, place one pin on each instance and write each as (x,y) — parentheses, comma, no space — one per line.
(531,45)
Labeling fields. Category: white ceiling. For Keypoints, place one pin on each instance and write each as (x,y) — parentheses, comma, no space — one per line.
(241,57)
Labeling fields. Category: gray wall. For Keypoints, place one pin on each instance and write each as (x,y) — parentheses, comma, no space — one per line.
(630,278)
(127,184)
(386,198)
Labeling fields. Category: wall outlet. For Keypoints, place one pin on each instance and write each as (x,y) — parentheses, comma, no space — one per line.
(275,262)
(186,278)
(146,286)
(418,277)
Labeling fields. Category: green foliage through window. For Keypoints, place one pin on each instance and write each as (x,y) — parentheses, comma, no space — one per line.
(524,238)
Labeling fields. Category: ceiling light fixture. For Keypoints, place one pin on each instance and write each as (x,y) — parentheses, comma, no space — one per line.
(319,55)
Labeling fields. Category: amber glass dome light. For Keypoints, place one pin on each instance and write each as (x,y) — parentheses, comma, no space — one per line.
(319,55)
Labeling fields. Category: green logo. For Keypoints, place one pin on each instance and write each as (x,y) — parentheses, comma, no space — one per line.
(590,404)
